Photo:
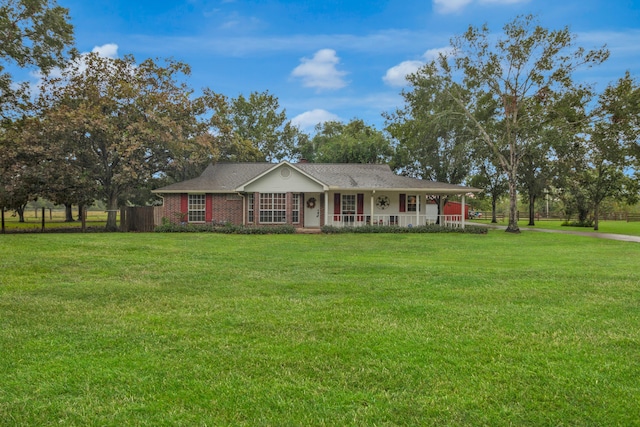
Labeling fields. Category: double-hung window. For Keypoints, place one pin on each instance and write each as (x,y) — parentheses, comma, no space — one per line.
(295,208)
(250,208)
(273,208)
(197,204)
(348,207)
(412,203)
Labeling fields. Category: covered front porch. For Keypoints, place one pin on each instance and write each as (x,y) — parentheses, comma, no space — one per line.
(397,220)
(390,208)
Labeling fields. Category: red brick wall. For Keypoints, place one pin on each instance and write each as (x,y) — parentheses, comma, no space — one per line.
(219,209)
(171,207)
(227,210)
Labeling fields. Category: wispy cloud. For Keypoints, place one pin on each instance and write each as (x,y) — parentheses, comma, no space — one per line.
(455,6)
(321,71)
(378,42)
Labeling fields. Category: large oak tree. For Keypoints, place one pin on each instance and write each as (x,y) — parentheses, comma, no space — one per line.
(118,121)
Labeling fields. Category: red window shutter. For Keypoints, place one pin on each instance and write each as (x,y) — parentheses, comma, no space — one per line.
(360,207)
(403,203)
(336,207)
(184,204)
(208,208)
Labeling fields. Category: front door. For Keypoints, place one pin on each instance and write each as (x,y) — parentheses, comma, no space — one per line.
(312,210)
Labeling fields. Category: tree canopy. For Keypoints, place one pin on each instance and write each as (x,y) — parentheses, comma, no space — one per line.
(353,142)
(117,120)
(504,86)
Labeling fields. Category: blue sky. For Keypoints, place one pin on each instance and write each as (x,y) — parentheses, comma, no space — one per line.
(333,59)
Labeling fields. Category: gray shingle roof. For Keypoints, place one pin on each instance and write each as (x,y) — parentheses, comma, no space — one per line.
(227,177)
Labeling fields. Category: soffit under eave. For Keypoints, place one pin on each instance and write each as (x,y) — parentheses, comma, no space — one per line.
(410,190)
(193,191)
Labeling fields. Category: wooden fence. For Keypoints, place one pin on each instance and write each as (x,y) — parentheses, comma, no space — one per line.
(139,218)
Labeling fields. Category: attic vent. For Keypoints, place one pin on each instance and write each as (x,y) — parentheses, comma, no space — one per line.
(285,173)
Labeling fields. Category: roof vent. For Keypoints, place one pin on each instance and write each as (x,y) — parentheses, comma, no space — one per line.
(285,172)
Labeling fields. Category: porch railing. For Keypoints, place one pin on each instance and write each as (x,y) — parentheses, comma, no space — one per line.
(400,220)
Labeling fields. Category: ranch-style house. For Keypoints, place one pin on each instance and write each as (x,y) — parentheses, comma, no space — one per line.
(308,195)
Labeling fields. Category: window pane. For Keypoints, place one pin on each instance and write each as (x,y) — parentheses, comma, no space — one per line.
(197,204)
(273,207)
(411,203)
(349,204)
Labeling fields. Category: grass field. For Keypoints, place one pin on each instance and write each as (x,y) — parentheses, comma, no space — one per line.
(151,329)
(53,220)
(613,227)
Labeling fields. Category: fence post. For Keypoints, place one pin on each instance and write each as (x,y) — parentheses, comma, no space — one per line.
(123,216)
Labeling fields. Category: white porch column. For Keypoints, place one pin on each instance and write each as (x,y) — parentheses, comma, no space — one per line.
(326,208)
(417,210)
(462,208)
(373,193)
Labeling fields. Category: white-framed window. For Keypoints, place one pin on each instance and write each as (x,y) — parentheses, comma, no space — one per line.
(348,207)
(412,203)
(250,208)
(197,206)
(295,208)
(273,208)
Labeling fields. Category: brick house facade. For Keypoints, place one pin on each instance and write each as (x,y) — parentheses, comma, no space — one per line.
(304,195)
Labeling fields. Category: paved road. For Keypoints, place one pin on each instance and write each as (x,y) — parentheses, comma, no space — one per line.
(620,237)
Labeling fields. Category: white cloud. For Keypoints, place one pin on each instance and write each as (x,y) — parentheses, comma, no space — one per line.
(453,6)
(432,54)
(309,119)
(109,50)
(396,76)
(320,72)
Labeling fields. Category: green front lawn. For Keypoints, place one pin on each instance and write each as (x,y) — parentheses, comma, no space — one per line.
(207,329)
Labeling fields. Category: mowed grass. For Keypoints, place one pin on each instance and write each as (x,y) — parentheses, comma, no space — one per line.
(612,227)
(202,329)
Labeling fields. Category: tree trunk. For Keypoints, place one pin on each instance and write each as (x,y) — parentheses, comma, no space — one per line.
(68,213)
(2,214)
(80,211)
(83,217)
(20,212)
(513,205)
(112,211)
(596,214)
(494,202)
(532,210)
